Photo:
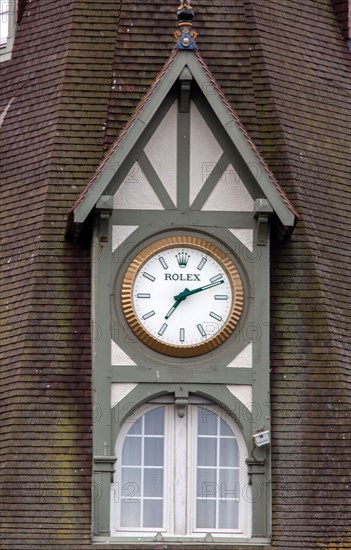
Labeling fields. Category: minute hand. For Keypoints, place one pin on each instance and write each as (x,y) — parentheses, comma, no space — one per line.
(186,292)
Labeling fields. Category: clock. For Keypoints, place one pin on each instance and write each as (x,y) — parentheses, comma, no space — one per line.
(182,296)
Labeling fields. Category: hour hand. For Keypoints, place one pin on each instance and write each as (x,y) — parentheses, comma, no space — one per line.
(173,308)
(178,299)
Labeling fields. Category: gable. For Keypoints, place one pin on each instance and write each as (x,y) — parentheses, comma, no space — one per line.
(161,151)
(136,191)
(218,167)
(211,181)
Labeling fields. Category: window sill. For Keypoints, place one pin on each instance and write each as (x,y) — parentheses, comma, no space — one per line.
(170,543)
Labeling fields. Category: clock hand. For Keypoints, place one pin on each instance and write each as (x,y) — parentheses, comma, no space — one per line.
(182,295)
(173,308)
(186,292)
(178,299)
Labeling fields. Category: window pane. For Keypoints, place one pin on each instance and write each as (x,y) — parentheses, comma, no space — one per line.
(153,452)
(141,479)
(207,422)
(229,452)
(153,482)
(224,429)
(207,451)
(154,421)
(228,515)
(207,483)
(206,514)
(229,484)
(153,513)
(218,489)
(130,514)
(136,427)
(131,454)
(131,482)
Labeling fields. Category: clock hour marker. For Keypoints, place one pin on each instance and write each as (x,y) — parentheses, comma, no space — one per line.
(148,276)
(150,314)
(216,278)
(201,330)
(163,262)
(162,329)
(142,295)
(215,316)
(221,297)
(182,334)
(201,264)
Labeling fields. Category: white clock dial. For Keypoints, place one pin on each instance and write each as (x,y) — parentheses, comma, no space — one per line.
(192,318)
(183,297)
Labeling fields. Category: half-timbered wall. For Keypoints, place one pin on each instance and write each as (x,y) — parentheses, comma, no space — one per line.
(182,176)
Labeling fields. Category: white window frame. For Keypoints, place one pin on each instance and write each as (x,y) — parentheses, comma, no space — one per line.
(181,489)
(243,523)
(7,45)
(116,529)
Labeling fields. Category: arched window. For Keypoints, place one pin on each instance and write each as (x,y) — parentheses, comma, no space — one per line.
(180,476)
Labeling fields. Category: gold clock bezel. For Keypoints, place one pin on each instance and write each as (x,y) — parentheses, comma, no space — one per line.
(186,350)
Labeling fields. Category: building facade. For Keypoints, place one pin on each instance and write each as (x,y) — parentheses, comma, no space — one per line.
(175,292)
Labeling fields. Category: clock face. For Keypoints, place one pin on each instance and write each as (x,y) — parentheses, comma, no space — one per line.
(182,296)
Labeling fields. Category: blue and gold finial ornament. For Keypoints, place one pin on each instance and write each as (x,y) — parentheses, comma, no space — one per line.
(185,35)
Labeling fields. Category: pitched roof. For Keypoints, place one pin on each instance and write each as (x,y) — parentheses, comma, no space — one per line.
(285,69)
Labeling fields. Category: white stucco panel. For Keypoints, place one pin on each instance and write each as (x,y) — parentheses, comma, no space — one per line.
(120,391)
(135,192)
(204,152)
(120,233)
(118,356)
(161,151)
(230,194)
(243,393)
(245,236)
(243,359)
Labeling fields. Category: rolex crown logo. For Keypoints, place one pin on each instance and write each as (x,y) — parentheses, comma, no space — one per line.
(182,258)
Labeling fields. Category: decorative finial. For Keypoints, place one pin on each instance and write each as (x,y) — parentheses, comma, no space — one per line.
(185,36)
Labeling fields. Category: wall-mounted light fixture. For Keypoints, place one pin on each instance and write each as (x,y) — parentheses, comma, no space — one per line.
(261,438)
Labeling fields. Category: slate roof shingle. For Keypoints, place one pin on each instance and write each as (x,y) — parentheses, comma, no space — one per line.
(77,73)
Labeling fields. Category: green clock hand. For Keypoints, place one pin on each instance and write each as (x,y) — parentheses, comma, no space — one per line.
(182,295)
(173,308)
(186,292)
(178,299)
